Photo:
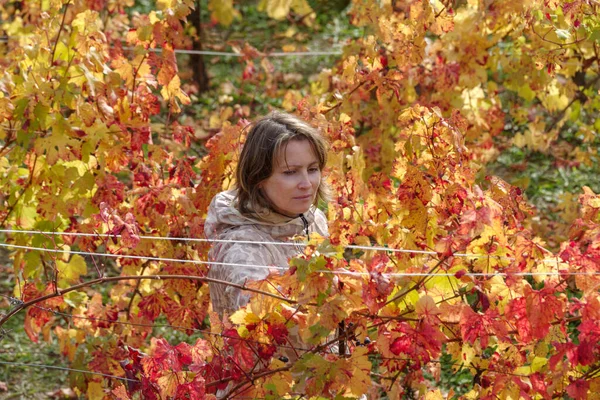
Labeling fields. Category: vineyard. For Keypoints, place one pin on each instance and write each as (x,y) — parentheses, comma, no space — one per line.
(463,256)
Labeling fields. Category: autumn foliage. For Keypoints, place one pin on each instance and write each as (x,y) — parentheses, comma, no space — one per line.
(451,264)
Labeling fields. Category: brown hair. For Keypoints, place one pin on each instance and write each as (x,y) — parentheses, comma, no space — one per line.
(267,137)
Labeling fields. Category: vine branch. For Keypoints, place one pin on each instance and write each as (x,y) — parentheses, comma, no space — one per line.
(61,292)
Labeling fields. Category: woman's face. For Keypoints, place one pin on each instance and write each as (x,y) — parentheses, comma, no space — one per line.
(296,177)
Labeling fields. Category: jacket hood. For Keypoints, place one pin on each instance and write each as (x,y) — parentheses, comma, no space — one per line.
(223,215)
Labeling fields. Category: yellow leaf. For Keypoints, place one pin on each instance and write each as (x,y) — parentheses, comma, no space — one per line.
(468,353)
(472,97)
(95,391)
(223,11)
(69,273)
(436,395)
(554,97)
(344,118)
(87,21)
(172,92)
(350,67)
(276,9)
(534,138)
(125,69)
(526,92)
(25,217)
(169,381)
(280,383)
(244,316)
(361,372)
(536,365)
(290,99)
(301,7)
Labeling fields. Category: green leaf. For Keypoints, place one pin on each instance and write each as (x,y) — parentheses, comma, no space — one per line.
(33,265)
(526,92)
(75,299)
(69,273)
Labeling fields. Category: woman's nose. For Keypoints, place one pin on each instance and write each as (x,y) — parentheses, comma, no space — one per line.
(304,182)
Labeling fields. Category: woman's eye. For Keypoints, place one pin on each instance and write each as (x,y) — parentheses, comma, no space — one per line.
(289,172)
(313,169)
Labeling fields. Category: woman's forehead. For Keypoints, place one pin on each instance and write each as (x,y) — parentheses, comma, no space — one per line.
(296,152)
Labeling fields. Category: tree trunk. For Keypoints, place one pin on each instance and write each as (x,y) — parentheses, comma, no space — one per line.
(197,60)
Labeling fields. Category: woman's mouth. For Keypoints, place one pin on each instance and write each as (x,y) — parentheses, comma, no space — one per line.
(308,196)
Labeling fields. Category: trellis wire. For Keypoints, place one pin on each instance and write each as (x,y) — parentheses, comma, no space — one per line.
(275,243)
(136,380)
(232,54)
(68,369)
(134,257)
(228,53)
(335,272)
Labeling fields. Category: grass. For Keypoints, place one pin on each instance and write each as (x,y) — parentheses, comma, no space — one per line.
(28,382)
(15,346)
(23,382)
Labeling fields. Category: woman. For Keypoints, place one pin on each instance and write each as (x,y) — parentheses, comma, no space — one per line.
(278,184)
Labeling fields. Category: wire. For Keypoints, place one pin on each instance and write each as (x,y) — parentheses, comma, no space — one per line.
(224,53)
(335,272)
(150,258)
(68,369)
(145,237)
(232,54)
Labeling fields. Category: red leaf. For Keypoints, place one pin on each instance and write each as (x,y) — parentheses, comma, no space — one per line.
(184,353)
(163,358)
(139,137)
(194,390)
(578,389)
(242,354)
(459,274)
(279,332)
(517,310)
(475,326)
(534,312)
(101,316)
(151,306)
(266,351)
(421,343)
(200,353)
(375,293)
(182,173)
(539,385)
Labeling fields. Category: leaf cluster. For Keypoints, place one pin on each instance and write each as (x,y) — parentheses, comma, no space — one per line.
(412,111)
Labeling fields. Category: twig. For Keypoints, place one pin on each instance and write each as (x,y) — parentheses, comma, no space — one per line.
(62,25)
(253,377)
(135,76)
(418,284)
(136,290)
(347,94)
(561,45)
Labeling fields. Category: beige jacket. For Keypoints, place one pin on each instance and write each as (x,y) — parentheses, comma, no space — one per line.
(225,222)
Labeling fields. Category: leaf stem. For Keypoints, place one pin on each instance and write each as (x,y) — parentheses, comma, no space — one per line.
(62,25)
(418,284)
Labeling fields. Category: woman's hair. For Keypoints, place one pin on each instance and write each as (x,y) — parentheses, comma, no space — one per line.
(267,137)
